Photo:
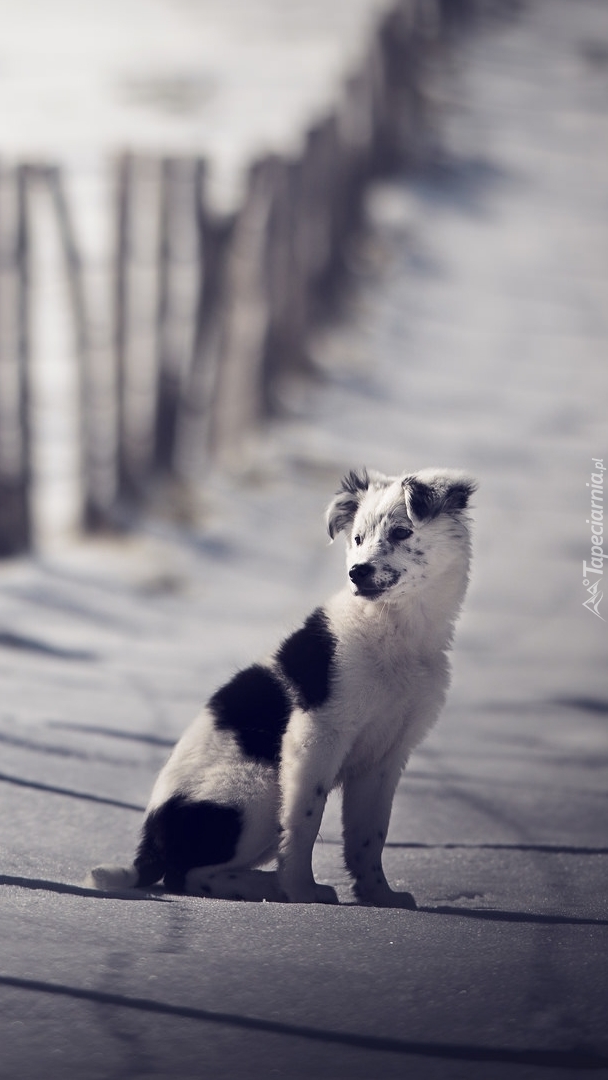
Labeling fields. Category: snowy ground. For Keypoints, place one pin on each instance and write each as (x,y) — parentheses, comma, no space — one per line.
(478,338)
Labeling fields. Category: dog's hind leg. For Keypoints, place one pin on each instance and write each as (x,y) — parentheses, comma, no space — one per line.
(219,883)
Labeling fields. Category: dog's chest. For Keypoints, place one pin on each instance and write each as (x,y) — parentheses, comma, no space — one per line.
(383,681)
(384,656)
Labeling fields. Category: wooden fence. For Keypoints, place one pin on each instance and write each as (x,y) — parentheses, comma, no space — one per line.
(208,315)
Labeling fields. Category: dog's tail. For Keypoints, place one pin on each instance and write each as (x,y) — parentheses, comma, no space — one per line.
(111,878)
(148,868)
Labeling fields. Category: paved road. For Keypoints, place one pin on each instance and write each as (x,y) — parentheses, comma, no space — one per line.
(478,337)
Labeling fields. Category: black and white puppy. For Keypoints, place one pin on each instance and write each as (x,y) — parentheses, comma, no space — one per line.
(342,702)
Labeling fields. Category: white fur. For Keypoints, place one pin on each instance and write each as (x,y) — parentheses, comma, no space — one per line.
(390,676)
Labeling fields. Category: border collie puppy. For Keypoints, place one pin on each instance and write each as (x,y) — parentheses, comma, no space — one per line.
(341,703)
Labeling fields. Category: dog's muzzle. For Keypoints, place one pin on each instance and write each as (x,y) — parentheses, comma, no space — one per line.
(370,581)
(361,573)
(362,577)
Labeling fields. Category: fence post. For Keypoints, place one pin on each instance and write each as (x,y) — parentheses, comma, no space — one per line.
(180,270)
(136,321)
(213,233)
(123,183)
(15,446)
(238,398)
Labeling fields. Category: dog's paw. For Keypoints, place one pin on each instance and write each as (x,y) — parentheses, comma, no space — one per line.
(401,900)
(326,894)
(311,894)
(388,898)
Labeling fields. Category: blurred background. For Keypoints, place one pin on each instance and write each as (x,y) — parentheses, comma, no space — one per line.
(245,240)
(178,181)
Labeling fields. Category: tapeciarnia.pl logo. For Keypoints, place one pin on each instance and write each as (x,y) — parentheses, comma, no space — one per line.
(593,571)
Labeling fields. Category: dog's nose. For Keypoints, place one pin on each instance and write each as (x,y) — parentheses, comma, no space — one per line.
(360,572)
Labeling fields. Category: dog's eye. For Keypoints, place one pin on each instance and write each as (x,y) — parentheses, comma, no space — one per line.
(358,540)
(399,533)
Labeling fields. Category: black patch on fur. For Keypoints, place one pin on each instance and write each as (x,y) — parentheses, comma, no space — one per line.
(428,500)
(182,834)
(255,707)
(355,482)
(150,859)
(306,658)
(343,508)
(423,499)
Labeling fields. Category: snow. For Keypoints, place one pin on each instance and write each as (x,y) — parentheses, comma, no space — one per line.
(476,337)
(227,80)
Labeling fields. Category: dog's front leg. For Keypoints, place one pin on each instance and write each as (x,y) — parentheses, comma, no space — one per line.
(366,811)
(308,769)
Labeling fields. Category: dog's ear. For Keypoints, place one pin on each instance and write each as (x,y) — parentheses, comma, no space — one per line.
(342,509)
(431,493)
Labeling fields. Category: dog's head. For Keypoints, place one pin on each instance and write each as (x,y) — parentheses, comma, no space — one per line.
(401,531)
